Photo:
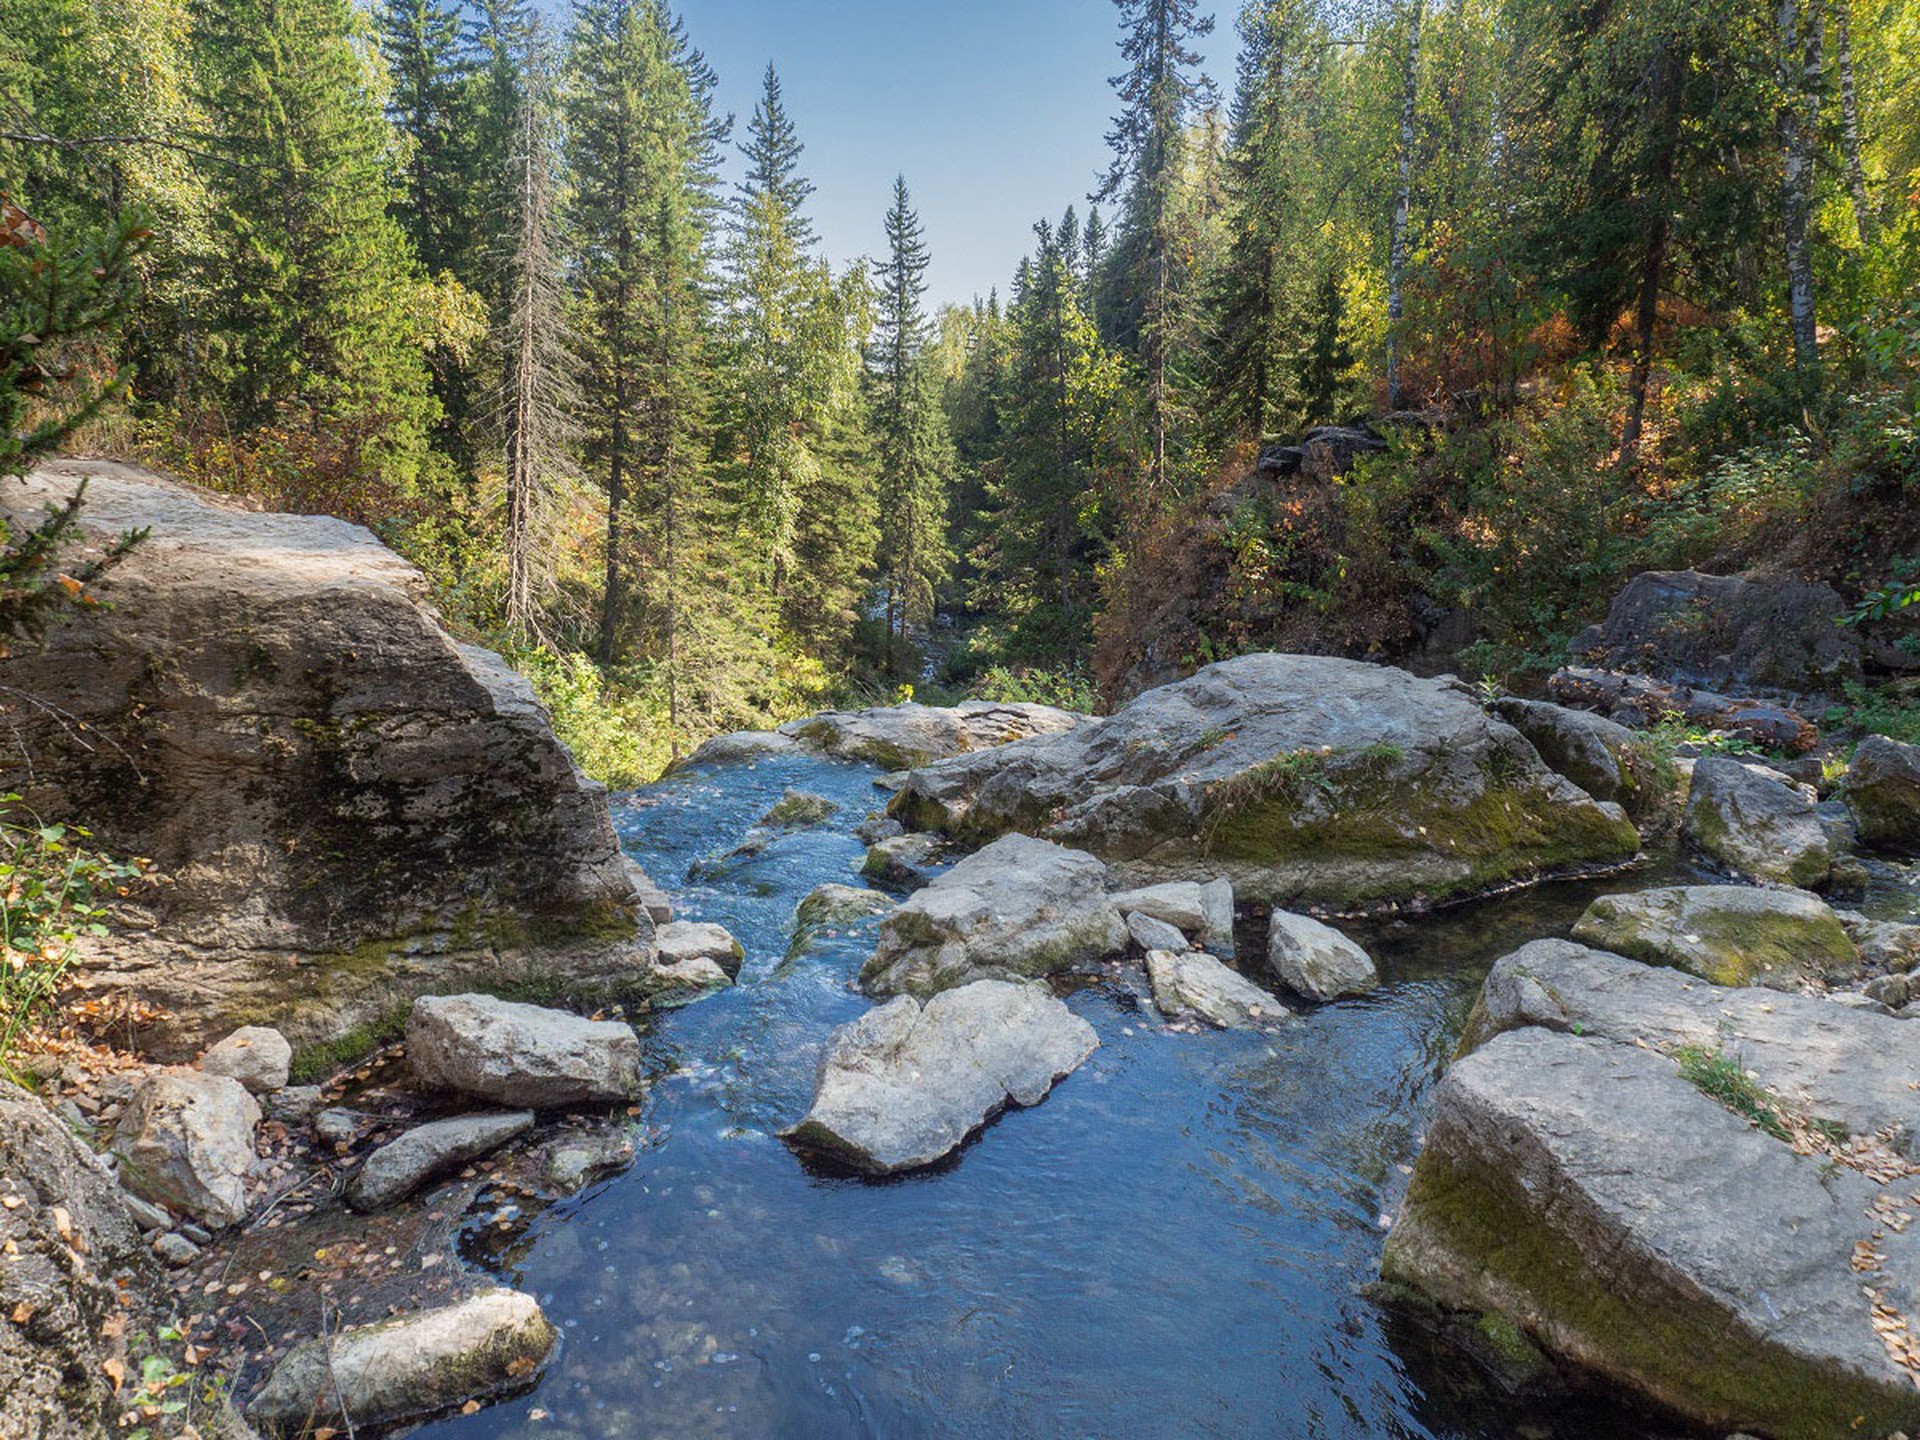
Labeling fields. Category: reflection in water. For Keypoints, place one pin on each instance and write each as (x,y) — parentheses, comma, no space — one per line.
(1171,1245)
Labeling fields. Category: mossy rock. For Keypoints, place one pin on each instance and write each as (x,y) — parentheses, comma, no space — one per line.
(1728,934)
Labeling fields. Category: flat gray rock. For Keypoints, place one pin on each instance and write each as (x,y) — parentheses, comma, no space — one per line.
(522,1056)
(186,1140)
(1832,1062)
(1316,960)
(406,1368)
(1192,983)
(1151,934)
(1019,909)
(1757,824)
(906,1084)
(402,1166)
(1301,779)
(1201,911)
(1585,1191)
(685,940)
(899,737)
(1729,934)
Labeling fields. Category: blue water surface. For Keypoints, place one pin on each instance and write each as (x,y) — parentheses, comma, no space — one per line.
(1173,1244)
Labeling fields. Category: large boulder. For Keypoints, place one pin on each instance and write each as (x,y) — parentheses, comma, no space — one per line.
(523,1056)
(1757,824)
(1729,632)
(1190,983)
(403,1165)
(1585,1192)
(349,807)
(186,1139)
(1729,934)
(407,1368)
(899,737)
(1018,909)
(1302,780)
(1316,960)
(1850,1069)
(1882,790)
(67,1237)
(906,1084)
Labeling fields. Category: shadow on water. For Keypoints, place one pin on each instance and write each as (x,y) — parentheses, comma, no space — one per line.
(1172,1245)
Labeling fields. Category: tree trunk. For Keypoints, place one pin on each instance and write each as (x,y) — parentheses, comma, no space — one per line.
(1668,84)
(1800,63)
(522,396)
(616,535)
(1402,205)
(1863,214)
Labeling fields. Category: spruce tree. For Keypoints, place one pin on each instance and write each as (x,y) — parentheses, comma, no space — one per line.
(791,330)
(1159,92)
(916,451)
(314,293)
(432,63)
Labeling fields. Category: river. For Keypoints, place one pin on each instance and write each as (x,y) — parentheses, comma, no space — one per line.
(1174,1244)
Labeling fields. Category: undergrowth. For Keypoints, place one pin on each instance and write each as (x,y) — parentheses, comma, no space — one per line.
(1722,1077)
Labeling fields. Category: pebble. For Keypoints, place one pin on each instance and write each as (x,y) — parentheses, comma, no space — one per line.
(146,1216)
(196,1234)
(336,1127)
(176,1250)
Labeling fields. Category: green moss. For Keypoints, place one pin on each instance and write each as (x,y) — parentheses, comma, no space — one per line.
(313,1063)
(1401,831)
(1724,945)
(798,810)
(1472,1238)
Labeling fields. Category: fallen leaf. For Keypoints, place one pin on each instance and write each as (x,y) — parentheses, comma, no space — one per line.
(116,1371)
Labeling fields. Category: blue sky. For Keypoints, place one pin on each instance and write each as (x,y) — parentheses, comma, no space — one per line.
(996,110)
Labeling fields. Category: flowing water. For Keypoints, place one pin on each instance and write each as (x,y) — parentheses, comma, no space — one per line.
(1173,1244)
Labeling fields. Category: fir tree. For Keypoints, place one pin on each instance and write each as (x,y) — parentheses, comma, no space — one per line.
(916,451)
(313,291)
(1159,93)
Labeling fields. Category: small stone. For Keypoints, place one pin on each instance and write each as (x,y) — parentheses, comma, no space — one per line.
(1151,934)
(147,1216)
(1316,960)
(401,1166)
(256,1055)
(336,1127)
(176,1250)
(524,1056)
(293,1104)
(688,940)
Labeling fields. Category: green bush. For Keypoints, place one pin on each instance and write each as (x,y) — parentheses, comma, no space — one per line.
(618,732)
(53,890)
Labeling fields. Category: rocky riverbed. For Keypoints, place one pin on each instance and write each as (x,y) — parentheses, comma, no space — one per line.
(1221,1066)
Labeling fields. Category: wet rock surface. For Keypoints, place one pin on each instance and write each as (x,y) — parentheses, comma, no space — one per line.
(1020,908)
(1317,961)
(1194,984)
(906,1084)
(402,1166)
(1302,780)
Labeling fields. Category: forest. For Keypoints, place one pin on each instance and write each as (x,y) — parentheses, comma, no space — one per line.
(1622,286)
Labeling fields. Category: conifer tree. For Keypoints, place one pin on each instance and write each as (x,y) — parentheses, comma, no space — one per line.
(792,361)
(538,395)
(432,63)
(1159,93)
(314,297)
(916,451)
